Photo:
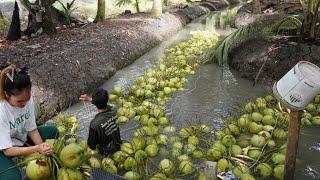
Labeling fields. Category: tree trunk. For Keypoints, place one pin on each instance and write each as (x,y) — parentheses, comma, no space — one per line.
(48,19)
(49,27)
(310,19)
(15,28)
(166,2)
(256,6)
(137,6)
(156,8)
(101,12)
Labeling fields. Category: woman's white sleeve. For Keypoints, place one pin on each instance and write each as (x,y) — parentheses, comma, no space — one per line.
(31,121)
(5,138)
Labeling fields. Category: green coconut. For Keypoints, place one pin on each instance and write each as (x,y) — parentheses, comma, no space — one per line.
(163,121)
(150,140)
(223,164)
(244,141)
(214,154)
(169,130)
(152,150)
(254,128)
(108,165)
(184,133)
(280,133)
(234,129)
(264,169)
(177,145)
(131,175)
(166,166)
(235,150)
(175,152)
(258,141)
(268,120)
(183,157)
(316,120)
(310,107)
(256,116)
(72,155)
(94,162)
(126,148)
(197,154)
(278,172)
(189,148)
(271,143)
(67,174)
(268,128)
(122,120)
(265,134)
(193,140)
(162,139)
(246,177)
(158,176)
(38,169)
(269,99)
(119,156)
(228,140)
(254,153)
(241,169)
(140,156)
(186,168)
(130,164)
(268,111)
(151,130)
(219,135)
(220,146)
(249,107)
(278,158)
(243,122)
(204,128)
(138,143)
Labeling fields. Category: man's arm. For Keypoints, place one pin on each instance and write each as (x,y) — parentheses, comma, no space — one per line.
(93,139)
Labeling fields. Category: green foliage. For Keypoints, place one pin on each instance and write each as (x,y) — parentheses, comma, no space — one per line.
(3,25)
(68,9)
(292,22)
(123,2)
(221,50)
(310,17)
(135,3)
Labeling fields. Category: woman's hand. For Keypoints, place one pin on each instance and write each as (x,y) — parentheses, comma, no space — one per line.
(85,97)
(44,149)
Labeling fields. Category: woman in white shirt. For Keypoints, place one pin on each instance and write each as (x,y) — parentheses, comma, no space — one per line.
(19,134)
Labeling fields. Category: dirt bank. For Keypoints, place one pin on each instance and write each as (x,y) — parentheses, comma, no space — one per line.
(101,50)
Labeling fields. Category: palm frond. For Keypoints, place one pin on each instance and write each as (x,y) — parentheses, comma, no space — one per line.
(287,23)
(222,49)
(123,2)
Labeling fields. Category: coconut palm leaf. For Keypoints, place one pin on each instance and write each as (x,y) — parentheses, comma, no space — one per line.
(221,51)
(123,2)
(289,22)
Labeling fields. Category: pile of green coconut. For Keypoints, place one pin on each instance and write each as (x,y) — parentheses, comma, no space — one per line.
(252,145)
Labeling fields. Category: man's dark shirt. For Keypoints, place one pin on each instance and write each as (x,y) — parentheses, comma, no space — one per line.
(104,132)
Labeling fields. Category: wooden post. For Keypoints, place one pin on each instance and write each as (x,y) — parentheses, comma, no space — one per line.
(293,140)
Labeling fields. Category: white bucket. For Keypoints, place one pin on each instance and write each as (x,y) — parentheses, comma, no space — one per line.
(299,86)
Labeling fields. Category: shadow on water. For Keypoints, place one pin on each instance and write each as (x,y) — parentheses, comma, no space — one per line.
(211,95)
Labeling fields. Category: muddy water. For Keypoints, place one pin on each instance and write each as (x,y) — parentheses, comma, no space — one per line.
(212,94)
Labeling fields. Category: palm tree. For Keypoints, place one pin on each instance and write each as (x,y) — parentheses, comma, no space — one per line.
(256,6)
(101,11)
(156,8)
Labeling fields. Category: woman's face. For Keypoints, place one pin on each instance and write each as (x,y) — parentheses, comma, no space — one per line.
(21,99)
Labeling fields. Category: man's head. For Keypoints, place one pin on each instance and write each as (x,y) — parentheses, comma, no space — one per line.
(100,98)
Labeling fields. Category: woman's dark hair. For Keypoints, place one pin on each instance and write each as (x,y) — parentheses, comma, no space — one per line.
(13,80)
(100,98)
